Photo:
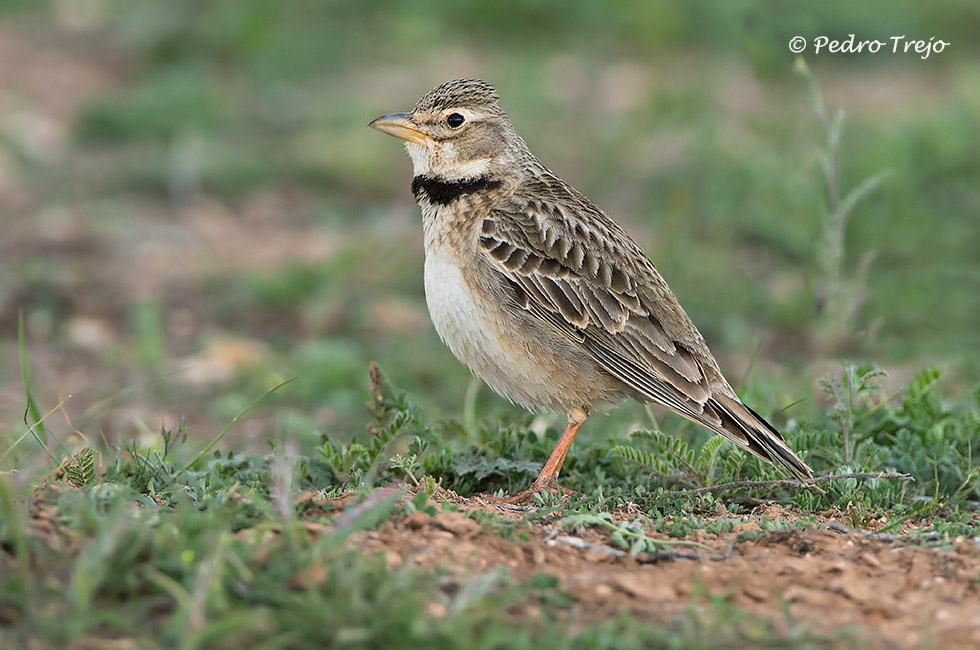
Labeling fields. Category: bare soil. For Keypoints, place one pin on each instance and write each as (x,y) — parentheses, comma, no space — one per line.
(888,591)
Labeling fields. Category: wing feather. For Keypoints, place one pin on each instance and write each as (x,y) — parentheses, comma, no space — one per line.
(572,270)
(587,278)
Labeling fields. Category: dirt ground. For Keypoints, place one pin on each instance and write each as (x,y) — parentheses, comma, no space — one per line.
(885,589)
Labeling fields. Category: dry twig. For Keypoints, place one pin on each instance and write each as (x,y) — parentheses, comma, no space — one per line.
(929,536)
(791,482)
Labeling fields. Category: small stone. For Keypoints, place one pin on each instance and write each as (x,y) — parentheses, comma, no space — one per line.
(457,523)
(539,557)
(643,587)
(755,592)
(745,527)
(418,520)
(836,567)
(870,559)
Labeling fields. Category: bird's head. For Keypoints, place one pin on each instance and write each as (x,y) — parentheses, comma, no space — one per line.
(456,131)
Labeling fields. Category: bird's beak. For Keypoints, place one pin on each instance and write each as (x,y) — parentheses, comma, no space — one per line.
(401,126)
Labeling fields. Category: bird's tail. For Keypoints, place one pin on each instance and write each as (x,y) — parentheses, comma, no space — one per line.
(740,423)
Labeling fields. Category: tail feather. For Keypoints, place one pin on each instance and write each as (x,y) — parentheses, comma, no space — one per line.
(739,422)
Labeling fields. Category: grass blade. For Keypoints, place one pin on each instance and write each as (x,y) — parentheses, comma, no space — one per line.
(230,424)
(32,414)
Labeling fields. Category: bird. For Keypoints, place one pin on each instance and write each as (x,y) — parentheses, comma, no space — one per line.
(542,295)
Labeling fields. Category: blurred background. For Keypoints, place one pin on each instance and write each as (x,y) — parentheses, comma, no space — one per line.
(192,210)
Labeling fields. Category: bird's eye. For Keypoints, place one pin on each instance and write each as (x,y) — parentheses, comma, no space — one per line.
(455,120)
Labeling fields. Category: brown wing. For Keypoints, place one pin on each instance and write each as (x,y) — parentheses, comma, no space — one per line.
(597,287)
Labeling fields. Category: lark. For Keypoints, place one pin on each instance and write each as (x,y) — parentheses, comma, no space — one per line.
(542,294)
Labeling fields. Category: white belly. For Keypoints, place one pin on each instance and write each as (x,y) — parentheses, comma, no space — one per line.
(479,338)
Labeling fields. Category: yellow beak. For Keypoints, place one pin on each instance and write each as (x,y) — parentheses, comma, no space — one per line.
(401,126)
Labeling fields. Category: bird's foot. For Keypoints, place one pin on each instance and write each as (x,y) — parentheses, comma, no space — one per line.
(547,486)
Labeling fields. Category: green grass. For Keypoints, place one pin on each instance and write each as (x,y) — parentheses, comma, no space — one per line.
(172,545)
(922,434)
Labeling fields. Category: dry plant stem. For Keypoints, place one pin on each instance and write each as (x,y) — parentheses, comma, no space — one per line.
(885,537)
(790,482)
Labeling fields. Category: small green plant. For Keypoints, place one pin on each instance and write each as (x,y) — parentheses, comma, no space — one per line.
(838,297)
(406,464)
(419,502)
(148,324)
(850,393)
(928,438)
(80,469)
(629,535)
(395,417)
(674,460)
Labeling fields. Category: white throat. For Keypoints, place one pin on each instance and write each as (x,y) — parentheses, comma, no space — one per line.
(424,162)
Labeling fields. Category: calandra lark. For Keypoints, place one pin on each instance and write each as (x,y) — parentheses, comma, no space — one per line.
(543,295)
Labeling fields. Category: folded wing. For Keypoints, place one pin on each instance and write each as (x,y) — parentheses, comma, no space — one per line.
(589,280)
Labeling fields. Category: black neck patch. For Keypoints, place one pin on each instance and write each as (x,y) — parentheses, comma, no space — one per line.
(443,192)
